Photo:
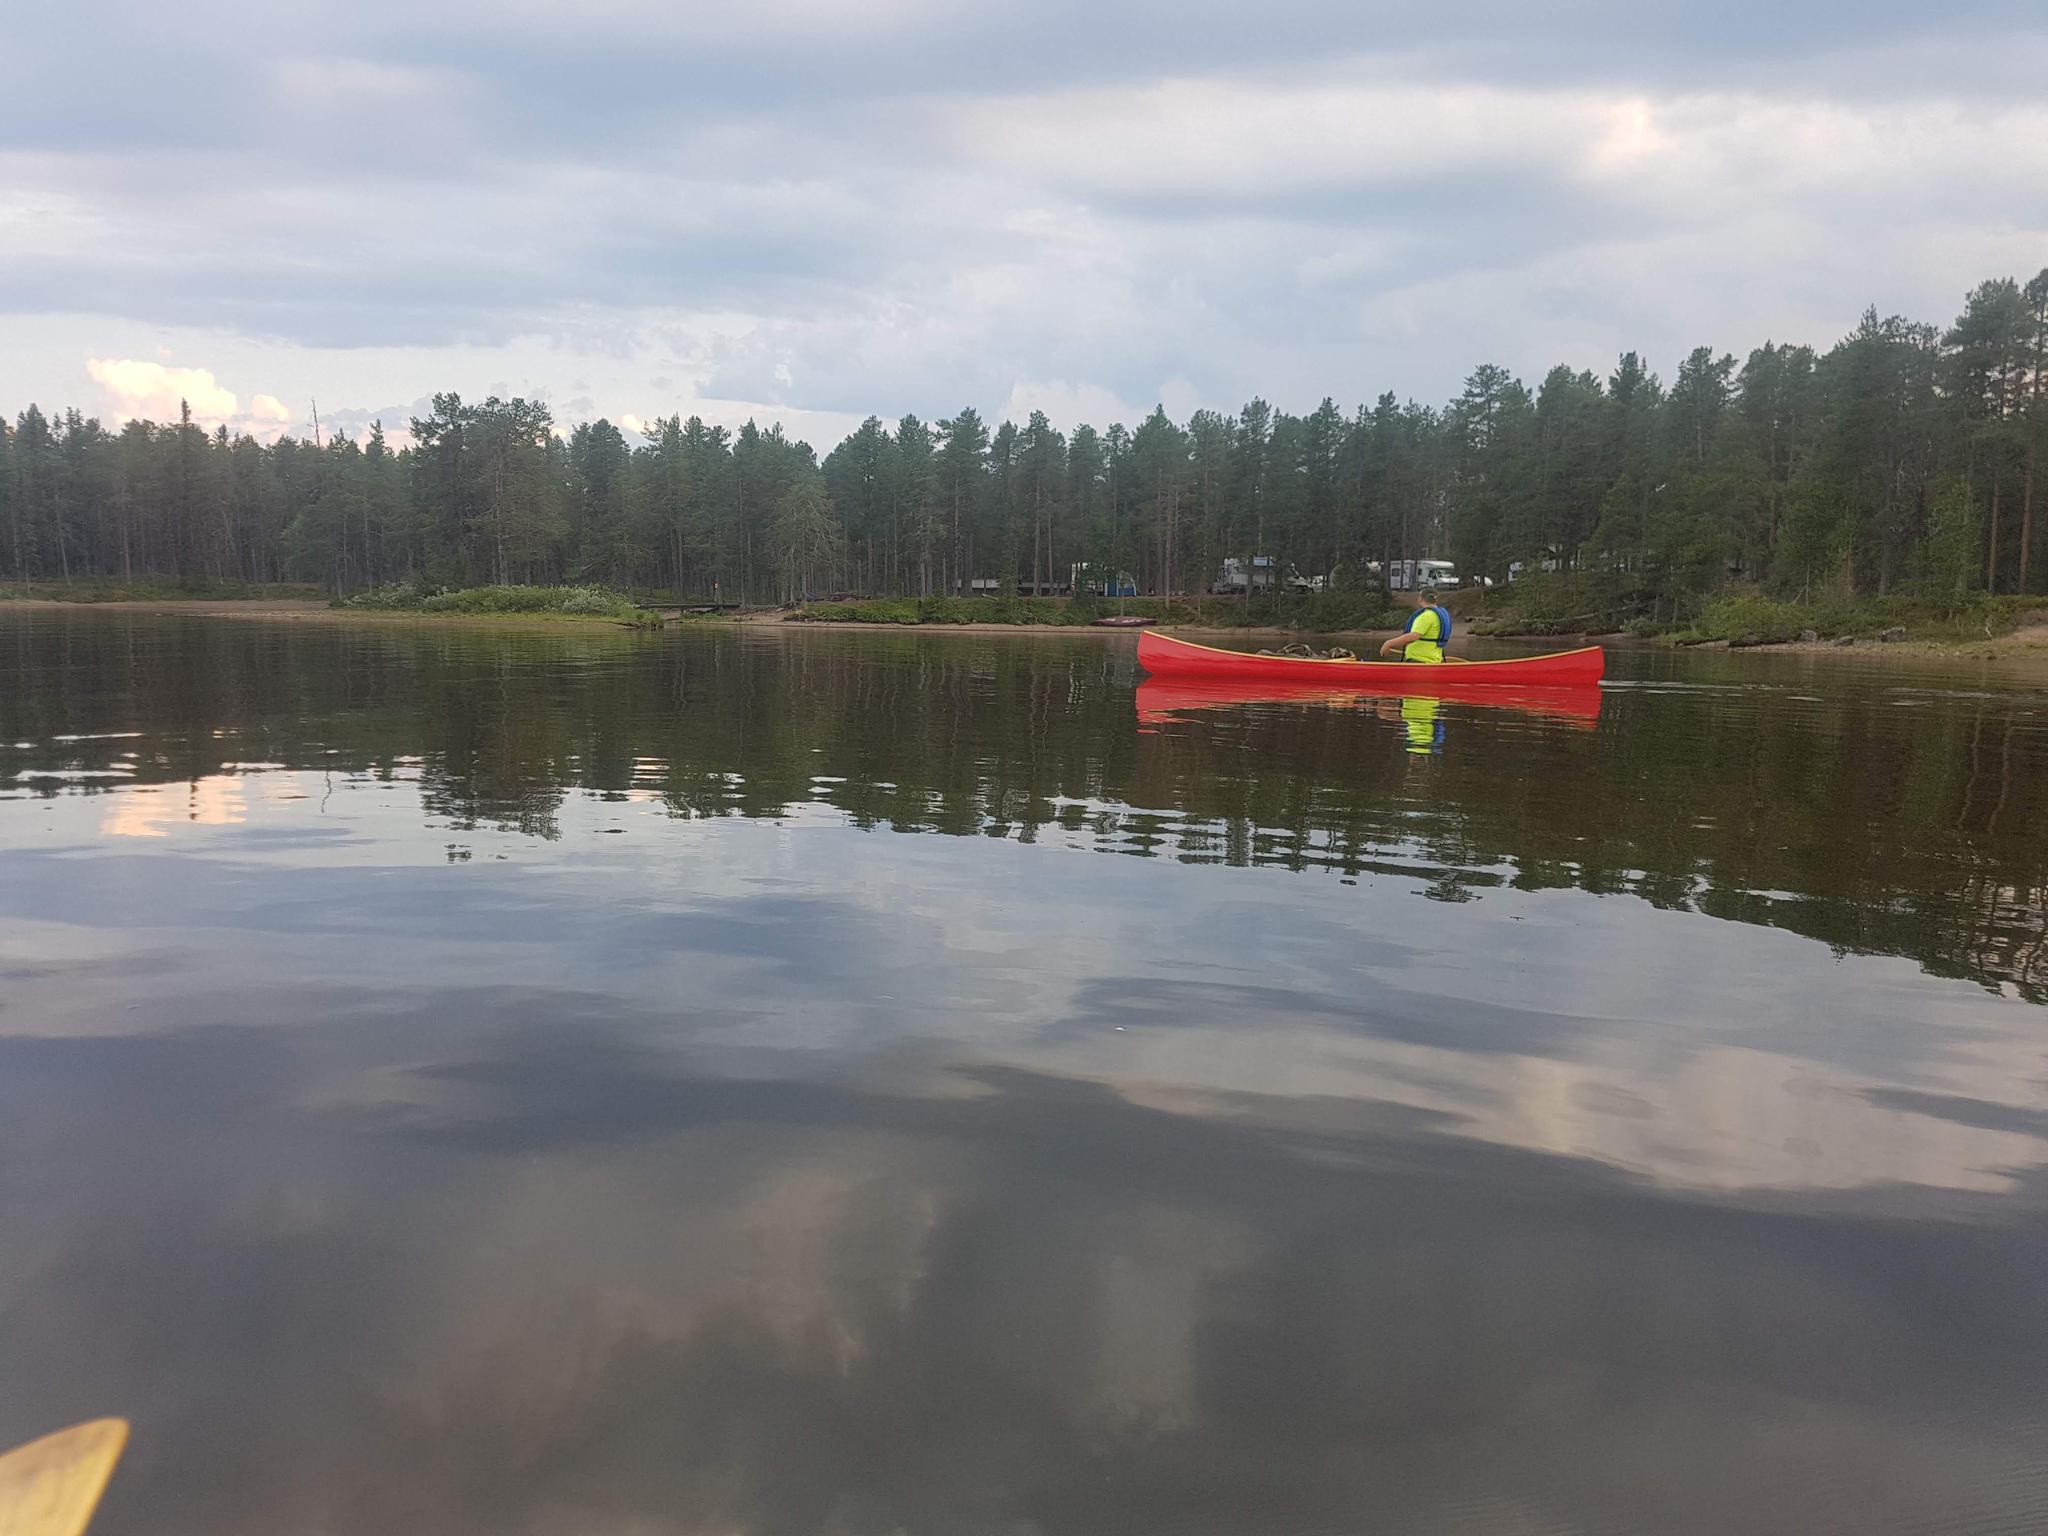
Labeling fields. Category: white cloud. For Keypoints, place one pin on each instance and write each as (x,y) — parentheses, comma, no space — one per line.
(1280,133)
(1067,405)
(800,22)
(1243,219)
(1222,141)
(39,219)
(135,387)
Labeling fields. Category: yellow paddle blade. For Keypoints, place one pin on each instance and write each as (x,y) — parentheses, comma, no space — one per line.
(51,1486)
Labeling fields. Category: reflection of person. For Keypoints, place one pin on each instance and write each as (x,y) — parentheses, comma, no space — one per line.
(1425,730)
(1428,632)
(1419,719)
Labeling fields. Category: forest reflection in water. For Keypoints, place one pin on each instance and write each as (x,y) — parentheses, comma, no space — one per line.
(460,1081)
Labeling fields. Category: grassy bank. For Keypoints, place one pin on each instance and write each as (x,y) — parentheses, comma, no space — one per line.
(1746,620)
(1546,605)
(1320,613)
(594,603)
(1579,604)
(100,590)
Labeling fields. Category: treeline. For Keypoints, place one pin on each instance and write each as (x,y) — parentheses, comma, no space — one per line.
(1905,455)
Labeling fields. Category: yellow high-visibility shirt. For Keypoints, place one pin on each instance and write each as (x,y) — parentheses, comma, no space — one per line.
(1430,628)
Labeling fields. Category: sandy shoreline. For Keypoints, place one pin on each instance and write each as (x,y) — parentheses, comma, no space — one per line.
(2026,647)
(2027,661)
(2025,650)
(316,608)
(267,607)
(307,609)
(1051,630)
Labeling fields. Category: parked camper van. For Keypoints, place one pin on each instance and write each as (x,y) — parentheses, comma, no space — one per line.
(1422,576)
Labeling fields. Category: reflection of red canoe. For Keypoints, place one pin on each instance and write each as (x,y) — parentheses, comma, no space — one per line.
(1160,700)
(1164,656)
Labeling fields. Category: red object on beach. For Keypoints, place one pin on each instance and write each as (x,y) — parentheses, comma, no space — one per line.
(1165,656)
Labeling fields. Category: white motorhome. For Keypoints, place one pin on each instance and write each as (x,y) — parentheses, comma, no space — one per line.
(1422,575)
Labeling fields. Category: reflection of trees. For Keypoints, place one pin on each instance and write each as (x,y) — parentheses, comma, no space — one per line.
(1920,832)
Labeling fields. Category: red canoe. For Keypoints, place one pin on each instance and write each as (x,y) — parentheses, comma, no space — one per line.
(1165,656)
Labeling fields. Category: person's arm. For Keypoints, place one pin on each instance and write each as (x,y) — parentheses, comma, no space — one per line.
(1398,644)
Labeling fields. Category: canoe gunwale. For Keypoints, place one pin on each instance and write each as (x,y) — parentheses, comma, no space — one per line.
(1164,655)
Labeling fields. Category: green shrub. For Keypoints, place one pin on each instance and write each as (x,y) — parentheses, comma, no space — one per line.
(578,602)
(392,595)
(960,610)
(1752,620)
(890,610)
(1552,603)
(1328,611)
(941,610)
(592,600)
(1320,611)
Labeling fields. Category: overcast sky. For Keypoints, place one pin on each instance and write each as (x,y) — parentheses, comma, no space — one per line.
(808,211)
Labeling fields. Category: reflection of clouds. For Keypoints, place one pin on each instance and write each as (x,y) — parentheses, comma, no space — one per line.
(1723,1118)
(217,800)
(1705,1054)
(796,1306)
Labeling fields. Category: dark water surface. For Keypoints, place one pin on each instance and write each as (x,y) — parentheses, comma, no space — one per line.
(464,1081)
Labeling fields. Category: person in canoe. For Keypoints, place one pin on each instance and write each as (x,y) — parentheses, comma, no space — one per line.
(1428,632)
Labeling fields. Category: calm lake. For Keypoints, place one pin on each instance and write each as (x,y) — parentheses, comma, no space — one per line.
(577,1081)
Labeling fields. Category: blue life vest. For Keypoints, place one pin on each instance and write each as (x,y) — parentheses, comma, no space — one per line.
(1443,618)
